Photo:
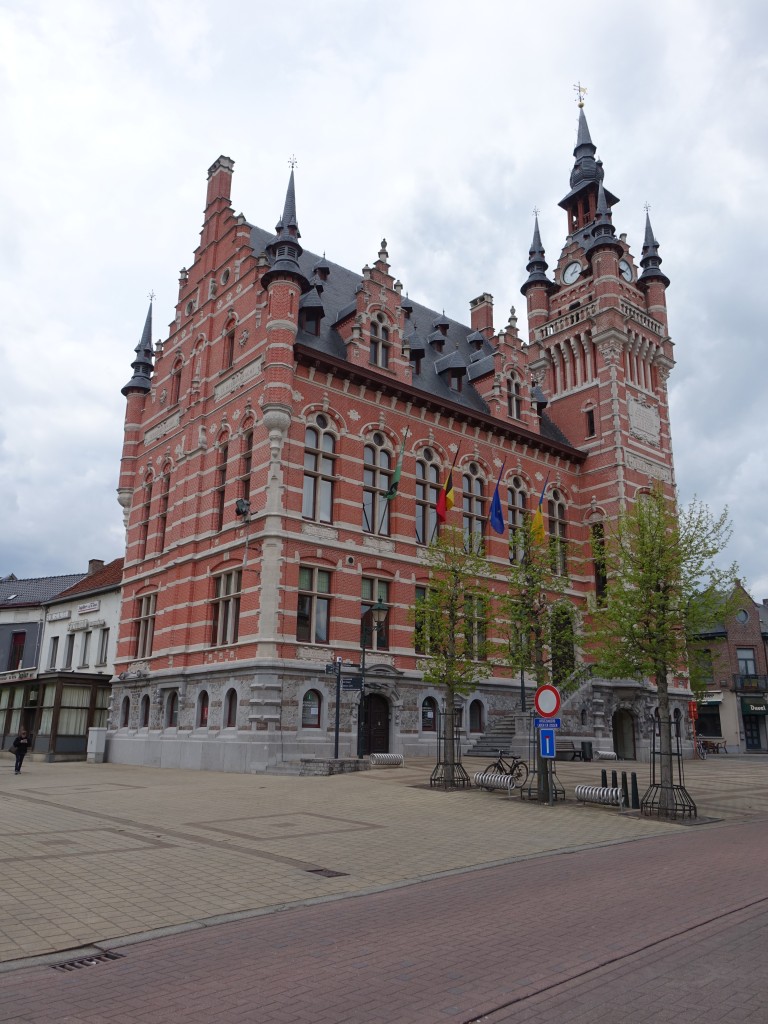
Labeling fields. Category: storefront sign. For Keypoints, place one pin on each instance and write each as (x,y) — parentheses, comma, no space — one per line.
(56,616)
(753,706)
(88,606)
(18,676)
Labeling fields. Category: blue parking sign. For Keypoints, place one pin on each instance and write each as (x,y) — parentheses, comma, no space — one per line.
(547,743)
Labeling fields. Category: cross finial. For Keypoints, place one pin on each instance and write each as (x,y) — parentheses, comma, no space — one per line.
(292,161)
(581,90)
(536,211)
(646,207)
(151,296)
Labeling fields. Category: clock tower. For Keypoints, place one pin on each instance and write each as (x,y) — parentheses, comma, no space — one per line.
(599,348)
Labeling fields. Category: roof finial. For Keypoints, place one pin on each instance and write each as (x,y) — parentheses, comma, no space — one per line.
(292,161)
(581,90)
(151,295)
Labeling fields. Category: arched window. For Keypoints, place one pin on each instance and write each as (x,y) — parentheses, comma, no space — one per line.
(476,716)
(172,710)
(427,492)
(311,707)
(125,712)
(202,709)
(379,342)
(597,534)
(319,471)
(144,712)
(473,515)
(162,514)
(228,357)
(145,512)
(563,644)
(175,388)
(677,717)
(557,534)
(517,503)
(514,402)
(429,715)
(220,487)
(377,477)
(246,464)
(230,710)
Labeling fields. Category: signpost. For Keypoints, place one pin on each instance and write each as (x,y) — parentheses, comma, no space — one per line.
(547,703)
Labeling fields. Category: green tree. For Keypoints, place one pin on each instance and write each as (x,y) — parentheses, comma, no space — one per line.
(663,589)
(451,627)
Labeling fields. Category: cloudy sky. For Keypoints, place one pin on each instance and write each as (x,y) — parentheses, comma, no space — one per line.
(434,123)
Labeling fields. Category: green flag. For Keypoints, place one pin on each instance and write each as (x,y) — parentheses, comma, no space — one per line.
(392,492)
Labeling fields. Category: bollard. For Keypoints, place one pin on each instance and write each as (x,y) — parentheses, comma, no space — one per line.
(604,778)
(635,794)
(624,789)
(614,779)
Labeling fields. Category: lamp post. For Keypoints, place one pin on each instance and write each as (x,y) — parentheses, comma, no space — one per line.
(378,613)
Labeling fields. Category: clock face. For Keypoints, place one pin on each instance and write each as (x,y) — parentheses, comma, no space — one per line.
(571,272)
(625,270)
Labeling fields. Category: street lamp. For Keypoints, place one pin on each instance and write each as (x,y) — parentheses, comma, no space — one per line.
(378,613)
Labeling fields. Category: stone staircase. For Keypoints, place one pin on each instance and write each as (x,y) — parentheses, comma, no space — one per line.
(501,736)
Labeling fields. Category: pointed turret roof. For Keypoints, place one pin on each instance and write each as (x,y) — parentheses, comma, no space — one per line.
(284,250)
(587,171)
(537,265)
(651,261)
(604,232)
(142,364)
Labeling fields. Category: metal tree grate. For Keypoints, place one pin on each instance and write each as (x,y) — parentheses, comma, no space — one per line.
(656,800)
(87,961)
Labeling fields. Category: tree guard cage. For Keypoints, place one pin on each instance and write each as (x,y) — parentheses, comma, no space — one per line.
(449,771)
(657,800)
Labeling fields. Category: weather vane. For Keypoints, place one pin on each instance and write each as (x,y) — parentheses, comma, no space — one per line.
(646,207)
(582,92)
(536,211)
(151,296)
(292,161)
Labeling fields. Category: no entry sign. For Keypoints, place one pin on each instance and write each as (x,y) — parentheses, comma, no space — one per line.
(547,701)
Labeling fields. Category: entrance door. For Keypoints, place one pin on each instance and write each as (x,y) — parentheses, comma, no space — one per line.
(752,731)
(624,736)
(376,724)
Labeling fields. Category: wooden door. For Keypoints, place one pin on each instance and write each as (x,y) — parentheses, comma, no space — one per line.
(376,724)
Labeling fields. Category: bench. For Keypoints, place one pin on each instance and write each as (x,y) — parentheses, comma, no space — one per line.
(566,750)
(714,744)
(495,780)
(387,760)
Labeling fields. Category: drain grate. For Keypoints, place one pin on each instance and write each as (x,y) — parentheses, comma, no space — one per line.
(87,961)
(326,872)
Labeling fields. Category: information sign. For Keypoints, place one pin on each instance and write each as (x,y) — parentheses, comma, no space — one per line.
(547,743)
(351,682)
(544,723)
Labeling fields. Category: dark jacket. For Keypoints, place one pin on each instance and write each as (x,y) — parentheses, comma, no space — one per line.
(22,743)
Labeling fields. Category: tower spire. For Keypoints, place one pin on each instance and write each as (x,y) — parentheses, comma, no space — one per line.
(284,250)
(142,364)
(651,261)
(537,265)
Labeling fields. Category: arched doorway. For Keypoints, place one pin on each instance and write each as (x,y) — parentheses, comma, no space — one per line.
(376,725)
(623,724)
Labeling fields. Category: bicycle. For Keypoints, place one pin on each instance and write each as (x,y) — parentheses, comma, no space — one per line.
(510,765)
(701,750)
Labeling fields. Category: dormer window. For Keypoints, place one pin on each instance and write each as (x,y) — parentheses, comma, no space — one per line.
(455,379)
(379,343)
(514,401)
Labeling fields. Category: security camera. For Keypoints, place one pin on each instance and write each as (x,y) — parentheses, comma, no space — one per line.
(242,507)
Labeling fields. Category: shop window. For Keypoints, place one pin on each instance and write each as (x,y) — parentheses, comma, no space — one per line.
(311,706)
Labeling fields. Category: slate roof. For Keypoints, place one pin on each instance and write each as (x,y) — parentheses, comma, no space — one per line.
(109,577)
(21,593)
(338,300)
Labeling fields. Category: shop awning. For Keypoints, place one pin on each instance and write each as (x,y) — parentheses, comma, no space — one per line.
(713,697)
(754,706)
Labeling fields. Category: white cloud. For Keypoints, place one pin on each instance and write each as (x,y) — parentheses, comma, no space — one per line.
(436,125)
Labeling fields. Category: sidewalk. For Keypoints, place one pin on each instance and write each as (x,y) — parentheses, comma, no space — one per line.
(96,853)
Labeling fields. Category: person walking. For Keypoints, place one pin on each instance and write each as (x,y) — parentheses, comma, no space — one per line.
(21,746)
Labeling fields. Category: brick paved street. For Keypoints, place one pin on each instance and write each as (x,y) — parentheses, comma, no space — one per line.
(593,917)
